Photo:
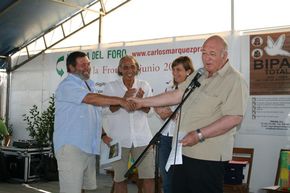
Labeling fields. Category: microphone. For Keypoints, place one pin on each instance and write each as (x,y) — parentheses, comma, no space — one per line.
(194,83)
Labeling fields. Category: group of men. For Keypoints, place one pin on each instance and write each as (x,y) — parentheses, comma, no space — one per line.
(209,118)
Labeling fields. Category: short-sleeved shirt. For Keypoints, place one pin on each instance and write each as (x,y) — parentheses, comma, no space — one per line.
(3,128)
(129,128)
(224,93)
(76,123)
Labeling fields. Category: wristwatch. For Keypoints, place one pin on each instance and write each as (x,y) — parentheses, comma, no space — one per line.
(200,136)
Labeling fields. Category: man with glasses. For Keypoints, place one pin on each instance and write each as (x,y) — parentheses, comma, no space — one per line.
(209,118)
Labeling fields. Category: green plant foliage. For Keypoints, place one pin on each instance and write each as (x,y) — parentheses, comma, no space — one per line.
(9,129)
(40,125)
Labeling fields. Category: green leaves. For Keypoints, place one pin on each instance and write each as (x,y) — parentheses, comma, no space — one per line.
(9,129)
(40,125)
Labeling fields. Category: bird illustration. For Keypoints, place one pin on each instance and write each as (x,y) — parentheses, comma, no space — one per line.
(276,48)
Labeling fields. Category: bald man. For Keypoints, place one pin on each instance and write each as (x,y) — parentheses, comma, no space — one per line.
(209,118)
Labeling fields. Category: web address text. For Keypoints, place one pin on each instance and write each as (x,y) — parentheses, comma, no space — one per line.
(167,51)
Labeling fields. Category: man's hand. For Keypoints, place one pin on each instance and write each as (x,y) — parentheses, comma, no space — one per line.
(128,105)
(190,139)
(106,139)
(136,101)
(130,93)
(140,93)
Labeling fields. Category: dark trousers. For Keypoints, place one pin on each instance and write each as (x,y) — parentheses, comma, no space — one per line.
(198,176)
(164,151)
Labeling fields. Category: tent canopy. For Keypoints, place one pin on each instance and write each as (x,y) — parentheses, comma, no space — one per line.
(24,20)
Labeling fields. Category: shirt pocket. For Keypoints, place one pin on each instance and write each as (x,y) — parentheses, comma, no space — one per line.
(207,104)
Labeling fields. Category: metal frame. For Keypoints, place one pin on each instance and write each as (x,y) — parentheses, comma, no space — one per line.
(102,13)
(31,56)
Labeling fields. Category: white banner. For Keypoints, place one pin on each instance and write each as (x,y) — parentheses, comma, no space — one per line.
(154,60)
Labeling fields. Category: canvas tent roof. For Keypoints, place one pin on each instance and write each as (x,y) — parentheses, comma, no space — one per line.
(22,21)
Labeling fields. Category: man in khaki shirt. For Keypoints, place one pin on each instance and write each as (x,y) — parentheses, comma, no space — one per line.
(209,117)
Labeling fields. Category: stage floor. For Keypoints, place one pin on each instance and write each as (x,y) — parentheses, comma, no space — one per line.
(104,186)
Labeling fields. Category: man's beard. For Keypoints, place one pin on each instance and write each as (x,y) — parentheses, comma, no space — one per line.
(81,76)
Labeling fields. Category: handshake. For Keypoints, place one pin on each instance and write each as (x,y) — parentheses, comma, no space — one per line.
(131,101)
(130,104)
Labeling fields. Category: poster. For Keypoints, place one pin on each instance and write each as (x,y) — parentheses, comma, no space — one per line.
(267,115)
(269,104)
(270,64)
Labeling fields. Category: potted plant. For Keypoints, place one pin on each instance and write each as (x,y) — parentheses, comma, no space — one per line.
(40,127)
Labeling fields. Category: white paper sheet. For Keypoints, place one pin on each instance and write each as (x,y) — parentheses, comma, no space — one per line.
(172,160)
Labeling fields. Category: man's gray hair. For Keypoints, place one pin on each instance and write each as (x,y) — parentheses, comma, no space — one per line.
(222,40)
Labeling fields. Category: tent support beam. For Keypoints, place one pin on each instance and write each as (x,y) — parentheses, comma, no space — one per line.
(31,56)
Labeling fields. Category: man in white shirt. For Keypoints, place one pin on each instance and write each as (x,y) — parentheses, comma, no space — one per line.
(131,129)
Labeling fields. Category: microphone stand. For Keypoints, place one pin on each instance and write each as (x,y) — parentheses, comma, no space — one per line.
(156,138)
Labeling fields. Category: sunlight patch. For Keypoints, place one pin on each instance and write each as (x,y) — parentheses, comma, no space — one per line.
(39,190)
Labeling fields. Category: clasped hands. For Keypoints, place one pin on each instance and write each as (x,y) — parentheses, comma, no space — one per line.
(130,102)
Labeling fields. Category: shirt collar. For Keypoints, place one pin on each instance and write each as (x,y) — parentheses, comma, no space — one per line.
(74,77)
(120,80)
(78,79)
